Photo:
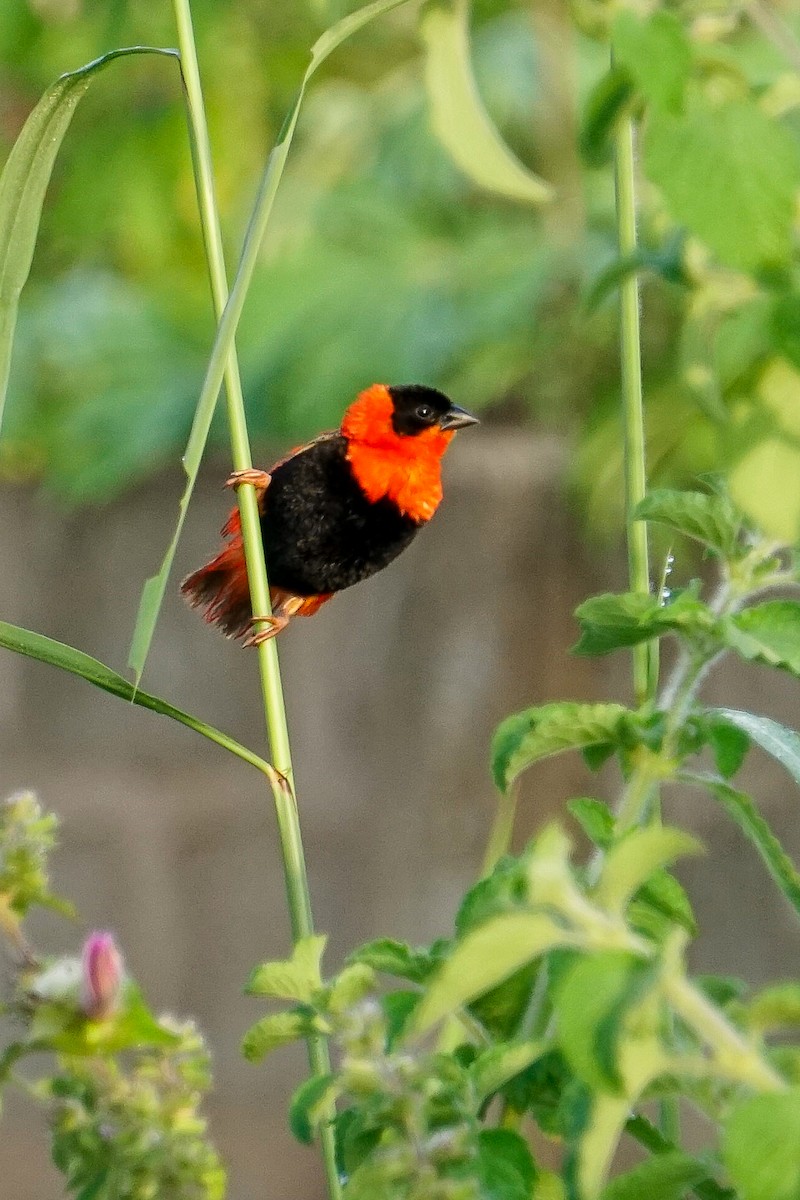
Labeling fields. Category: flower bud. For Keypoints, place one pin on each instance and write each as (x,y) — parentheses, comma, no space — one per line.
(101,971)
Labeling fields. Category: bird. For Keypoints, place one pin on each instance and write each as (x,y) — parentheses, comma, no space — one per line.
(335,510)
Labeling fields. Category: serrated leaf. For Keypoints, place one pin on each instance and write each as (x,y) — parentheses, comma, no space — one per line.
(761,1146)
(494,1067)
(743,810)
(665,1177)
(395,958)
(656,53)
(607,101)
(730,174)
(485,957)
(767,633)
(595,819)
(309,1104)
(709,519)
(295,978)
(633,860)
(537,733)
(277,1030)
(591,1002)
(75,662)
(458,116)
(782,743)
(613,621)
(505,1167)
(23,184)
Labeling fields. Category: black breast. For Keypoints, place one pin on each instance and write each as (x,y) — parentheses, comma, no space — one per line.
(320,532)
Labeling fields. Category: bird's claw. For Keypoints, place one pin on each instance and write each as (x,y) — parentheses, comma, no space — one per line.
(259,479)
(275,623)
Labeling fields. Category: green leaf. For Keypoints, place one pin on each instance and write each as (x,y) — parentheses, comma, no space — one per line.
(295,978)
(591,1002)
(395,958)
(728,742)
(66,658)
(767,633)
(537,733)
(662,895)
(743,810)
(782,743)
(603,1124)
(496,1066)
(761,1146)
(24,182)
(709,519)
(458,116)
(485,957)
(776,1007)
(665,1177)
(156,586)
(614,620)
(397,1009)
(505,1167)
(351,985)
(595,819)
(730,174)
(309,1104)
(631,862)
(276,1030)
(656,53)
(606,103)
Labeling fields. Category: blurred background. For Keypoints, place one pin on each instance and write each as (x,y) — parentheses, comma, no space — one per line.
(384,261)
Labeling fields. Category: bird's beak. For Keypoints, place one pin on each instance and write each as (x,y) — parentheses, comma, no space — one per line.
(457,418)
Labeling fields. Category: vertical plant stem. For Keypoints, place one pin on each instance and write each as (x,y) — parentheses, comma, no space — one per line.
(645,665)
(272,692)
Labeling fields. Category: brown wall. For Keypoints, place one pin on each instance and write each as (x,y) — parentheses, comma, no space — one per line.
(393,691)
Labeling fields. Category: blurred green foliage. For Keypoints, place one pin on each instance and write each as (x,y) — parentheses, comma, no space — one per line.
(384,261)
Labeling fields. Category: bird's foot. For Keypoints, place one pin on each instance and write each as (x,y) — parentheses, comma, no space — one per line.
(259,479)
(276,622)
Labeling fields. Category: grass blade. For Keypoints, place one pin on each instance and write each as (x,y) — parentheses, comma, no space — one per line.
(67,658)
(23,184)
(153,593)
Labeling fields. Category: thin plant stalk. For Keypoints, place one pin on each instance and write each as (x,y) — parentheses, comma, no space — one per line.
(645,664)
(269,670)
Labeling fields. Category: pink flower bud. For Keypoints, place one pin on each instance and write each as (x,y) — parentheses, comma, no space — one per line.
(101,976)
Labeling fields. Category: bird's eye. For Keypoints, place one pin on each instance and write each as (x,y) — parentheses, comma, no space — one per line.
(424,412)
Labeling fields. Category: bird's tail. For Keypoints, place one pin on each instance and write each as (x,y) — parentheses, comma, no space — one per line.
(221,591)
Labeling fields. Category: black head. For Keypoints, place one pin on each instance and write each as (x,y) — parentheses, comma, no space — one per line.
(417,408)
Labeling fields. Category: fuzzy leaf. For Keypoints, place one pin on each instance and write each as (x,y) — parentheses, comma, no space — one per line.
(395,958)
(709,519)
(277,1030)
(729,174)
(295,978)
(631,861)
(537,733)
(665,1177)
(485,957)
(614,620)
(591,1003)
(309,1104)
(656,53)
(494,1067)
(458,116)
(351,985)
(743,810)
(760,1146)
(782,743)
(767,633)
(595,819)
(505,1167)
(607,101)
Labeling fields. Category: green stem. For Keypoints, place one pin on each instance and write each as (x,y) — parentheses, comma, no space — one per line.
(645,661)
(502,830)
(269,669)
